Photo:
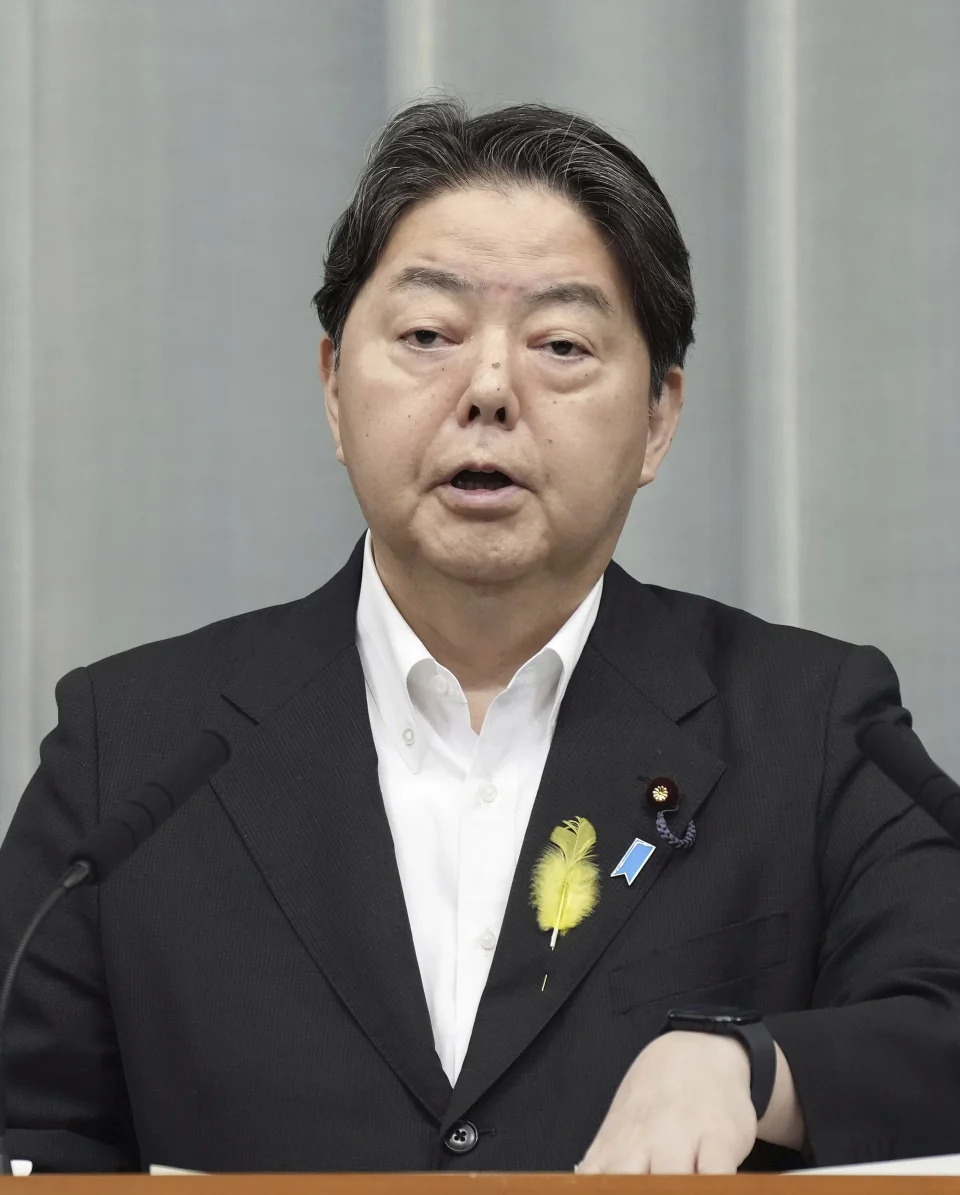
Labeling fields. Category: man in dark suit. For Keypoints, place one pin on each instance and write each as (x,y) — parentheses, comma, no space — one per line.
(329,958)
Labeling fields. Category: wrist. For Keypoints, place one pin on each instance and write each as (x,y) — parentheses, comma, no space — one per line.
(783,1122)
(745,1027)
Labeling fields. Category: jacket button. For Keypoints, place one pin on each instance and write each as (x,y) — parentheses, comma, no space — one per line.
(461,1138)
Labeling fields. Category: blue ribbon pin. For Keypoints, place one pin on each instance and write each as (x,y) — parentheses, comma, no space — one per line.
(634,860)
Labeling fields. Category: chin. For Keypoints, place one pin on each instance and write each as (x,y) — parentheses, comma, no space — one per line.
(482,564)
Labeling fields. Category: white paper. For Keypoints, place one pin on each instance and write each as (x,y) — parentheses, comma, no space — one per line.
(156,1169)
(942,1164)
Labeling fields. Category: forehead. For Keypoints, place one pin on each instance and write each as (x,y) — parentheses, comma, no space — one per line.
(507,243)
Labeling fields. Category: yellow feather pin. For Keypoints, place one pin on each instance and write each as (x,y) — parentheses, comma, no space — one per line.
(565,884)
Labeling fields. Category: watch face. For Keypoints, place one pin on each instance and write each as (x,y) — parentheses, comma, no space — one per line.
(711,1016)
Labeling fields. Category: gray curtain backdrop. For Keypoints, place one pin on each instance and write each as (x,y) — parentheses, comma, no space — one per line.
(170,169)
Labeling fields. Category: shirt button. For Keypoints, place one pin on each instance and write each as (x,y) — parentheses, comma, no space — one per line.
(488,939)
(409,736)
(439,682)
(488,792)
(461,1138)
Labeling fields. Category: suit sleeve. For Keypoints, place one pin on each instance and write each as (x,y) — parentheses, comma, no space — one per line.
(876,1057)
(66,1098)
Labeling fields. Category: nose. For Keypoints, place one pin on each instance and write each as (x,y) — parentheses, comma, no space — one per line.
(490,398)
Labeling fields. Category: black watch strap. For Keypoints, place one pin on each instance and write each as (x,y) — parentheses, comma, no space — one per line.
(757,1039)
(748,1028)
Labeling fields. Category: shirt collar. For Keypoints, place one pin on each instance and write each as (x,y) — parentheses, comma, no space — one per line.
(390,651)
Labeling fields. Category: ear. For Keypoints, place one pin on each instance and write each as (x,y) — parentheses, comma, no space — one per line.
(662,424)
(331,391)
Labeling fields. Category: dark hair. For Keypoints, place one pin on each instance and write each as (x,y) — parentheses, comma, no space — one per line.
(435,146)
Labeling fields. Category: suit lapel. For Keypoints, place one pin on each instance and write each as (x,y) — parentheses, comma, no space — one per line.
(303,792)
(617,729)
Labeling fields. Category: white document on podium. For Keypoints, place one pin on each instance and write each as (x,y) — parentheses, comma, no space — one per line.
(942,1164)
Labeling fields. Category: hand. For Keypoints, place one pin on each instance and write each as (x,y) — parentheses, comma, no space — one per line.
(683,1107)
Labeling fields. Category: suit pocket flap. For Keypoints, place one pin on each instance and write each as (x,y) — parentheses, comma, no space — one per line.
(702,962)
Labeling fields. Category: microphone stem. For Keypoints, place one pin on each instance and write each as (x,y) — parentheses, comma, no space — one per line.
(78,874)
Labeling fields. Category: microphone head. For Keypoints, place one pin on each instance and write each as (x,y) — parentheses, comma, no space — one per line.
(890,743)
(892,723)
(122,830)
(182,775)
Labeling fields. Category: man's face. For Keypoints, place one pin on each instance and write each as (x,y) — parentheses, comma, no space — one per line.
(488,436)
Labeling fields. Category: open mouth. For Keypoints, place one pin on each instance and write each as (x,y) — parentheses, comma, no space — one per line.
(470,479)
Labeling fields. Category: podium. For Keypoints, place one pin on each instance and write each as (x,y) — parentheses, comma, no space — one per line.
(476,1184)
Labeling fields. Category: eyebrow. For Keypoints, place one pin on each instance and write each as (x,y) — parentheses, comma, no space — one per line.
(580,294)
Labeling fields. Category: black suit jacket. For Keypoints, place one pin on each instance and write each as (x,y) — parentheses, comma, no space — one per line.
(243,994)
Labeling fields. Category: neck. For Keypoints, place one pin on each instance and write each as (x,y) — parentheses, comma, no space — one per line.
(482,634)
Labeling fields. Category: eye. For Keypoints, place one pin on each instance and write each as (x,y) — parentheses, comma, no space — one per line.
(566,356)
(419,332)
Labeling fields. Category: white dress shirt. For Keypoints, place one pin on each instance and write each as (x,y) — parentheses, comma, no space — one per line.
(457,802)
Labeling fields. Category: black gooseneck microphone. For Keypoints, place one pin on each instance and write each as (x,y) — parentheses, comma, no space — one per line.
(897,751)
(116,838)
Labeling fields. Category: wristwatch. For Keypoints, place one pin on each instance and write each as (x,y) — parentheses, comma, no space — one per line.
(747,1026)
